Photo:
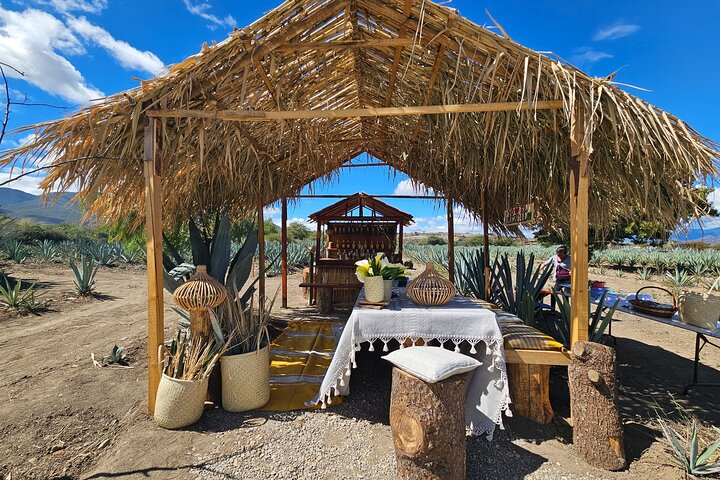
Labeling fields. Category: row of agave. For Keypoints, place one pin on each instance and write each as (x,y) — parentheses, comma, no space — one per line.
(699,263)
(47,251)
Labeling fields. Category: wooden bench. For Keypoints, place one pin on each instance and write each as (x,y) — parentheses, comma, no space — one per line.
(324,295)
(528,369)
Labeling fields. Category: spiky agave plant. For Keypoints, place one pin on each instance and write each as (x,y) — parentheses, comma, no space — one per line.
(679,278)
(14,297)
(508,290)
(15,250)
(645,274)
(597,325)
(84,275)
(47,251)
(686,450)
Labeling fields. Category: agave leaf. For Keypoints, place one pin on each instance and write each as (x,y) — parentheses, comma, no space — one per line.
(200,252)
(220,250)
(241,265)
(693,445)
(708,452)
(673,439)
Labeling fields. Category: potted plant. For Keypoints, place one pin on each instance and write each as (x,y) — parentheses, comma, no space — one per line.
(245,367)
(369,272)
(187,364)
(391,273)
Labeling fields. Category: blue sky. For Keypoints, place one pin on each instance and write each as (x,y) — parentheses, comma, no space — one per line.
(75,50)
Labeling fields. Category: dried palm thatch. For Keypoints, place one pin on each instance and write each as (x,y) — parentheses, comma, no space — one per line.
(339,54)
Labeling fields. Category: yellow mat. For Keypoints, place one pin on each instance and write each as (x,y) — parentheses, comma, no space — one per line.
(299,358)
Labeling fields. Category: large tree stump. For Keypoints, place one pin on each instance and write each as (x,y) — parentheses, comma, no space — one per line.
(597,428)
(428,425)
(530,391)
(324,300)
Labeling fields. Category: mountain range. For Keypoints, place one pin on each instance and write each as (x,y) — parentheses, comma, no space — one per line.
(59,208)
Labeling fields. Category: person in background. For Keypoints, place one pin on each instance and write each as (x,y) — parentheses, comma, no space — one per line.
(561,267)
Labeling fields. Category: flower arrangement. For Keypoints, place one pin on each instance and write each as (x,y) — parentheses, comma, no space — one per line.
(379,266)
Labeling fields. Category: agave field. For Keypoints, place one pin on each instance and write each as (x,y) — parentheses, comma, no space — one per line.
(680,267)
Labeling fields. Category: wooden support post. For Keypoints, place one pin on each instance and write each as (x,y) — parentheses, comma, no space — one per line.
(318,234)
(401,241)
(153,225)
(579,169)
(597,427)
(261,256)
(313,291)
(451,241)
(427,421)
(284,247)
(486,245)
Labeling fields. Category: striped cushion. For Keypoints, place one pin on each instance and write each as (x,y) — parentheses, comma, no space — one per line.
(523,337)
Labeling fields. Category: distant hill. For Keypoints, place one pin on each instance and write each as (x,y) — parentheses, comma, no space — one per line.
(708,235)
(59,209)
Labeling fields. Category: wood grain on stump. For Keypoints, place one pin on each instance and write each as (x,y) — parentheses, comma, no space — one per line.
(530,391)
(597,428)
(428,425)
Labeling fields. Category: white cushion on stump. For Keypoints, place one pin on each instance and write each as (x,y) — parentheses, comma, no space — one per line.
(431,364)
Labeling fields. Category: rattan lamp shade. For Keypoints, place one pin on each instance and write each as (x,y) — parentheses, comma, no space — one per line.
(200,292)
(430,289)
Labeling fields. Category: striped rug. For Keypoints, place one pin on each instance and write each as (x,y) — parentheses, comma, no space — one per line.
(299,358)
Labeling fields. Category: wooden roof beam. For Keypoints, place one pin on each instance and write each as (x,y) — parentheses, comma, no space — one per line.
(270,116)
(397,43)
(407,9)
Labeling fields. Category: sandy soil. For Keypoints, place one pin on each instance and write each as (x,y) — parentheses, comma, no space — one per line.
(63,418)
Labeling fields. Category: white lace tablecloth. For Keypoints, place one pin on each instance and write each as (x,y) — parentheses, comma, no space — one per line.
(461,320)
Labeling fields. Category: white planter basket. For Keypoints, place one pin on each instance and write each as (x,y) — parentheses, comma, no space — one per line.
(387,290)
(374,289)
(245,380)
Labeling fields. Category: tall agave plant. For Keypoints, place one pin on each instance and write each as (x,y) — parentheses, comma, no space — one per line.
(509,291)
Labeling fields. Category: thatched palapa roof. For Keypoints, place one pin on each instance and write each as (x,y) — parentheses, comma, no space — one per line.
(339,54)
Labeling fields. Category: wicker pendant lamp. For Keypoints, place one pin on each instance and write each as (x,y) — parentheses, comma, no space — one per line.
(430,289)
(197,295)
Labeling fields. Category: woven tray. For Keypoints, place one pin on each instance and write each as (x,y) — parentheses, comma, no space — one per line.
(654,308)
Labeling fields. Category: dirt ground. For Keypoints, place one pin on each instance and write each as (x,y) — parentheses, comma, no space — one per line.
(61,417)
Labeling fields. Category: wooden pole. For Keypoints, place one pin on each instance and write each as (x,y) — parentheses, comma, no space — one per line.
(579,169)
(486,245)
(284,246)
(451,241)
(154,248)
(313,291)
(274,115)
(261,256)
(401,242)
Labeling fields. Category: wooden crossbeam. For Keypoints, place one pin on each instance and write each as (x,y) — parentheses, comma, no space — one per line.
(347,44)
(270,116)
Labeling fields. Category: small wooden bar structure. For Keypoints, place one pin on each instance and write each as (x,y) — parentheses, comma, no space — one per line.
(355,228)
(471,114)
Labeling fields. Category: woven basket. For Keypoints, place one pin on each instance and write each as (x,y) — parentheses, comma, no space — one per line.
(430,289)
(374,289)
(179,403)
(245,380)
(700,310)
(654,308)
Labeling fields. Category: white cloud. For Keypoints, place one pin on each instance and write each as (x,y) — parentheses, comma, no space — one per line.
(202,10)
(127,55)
(613,32)
(27,184)
(65,6)
(586,56)
(32,41)
(408,187)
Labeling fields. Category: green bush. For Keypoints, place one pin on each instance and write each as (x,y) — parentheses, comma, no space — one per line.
(435,240)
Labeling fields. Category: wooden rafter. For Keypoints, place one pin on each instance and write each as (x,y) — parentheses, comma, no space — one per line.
(270,116)
(397,43)
(407,9)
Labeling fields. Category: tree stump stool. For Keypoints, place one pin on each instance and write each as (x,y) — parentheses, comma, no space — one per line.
(428,425)
(530,391)
(597,428)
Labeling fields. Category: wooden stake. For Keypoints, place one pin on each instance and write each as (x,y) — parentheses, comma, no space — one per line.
(284,246)
(451,241)
(261,255)
(154,248)
(401,241)
(579,169)
(486,245)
